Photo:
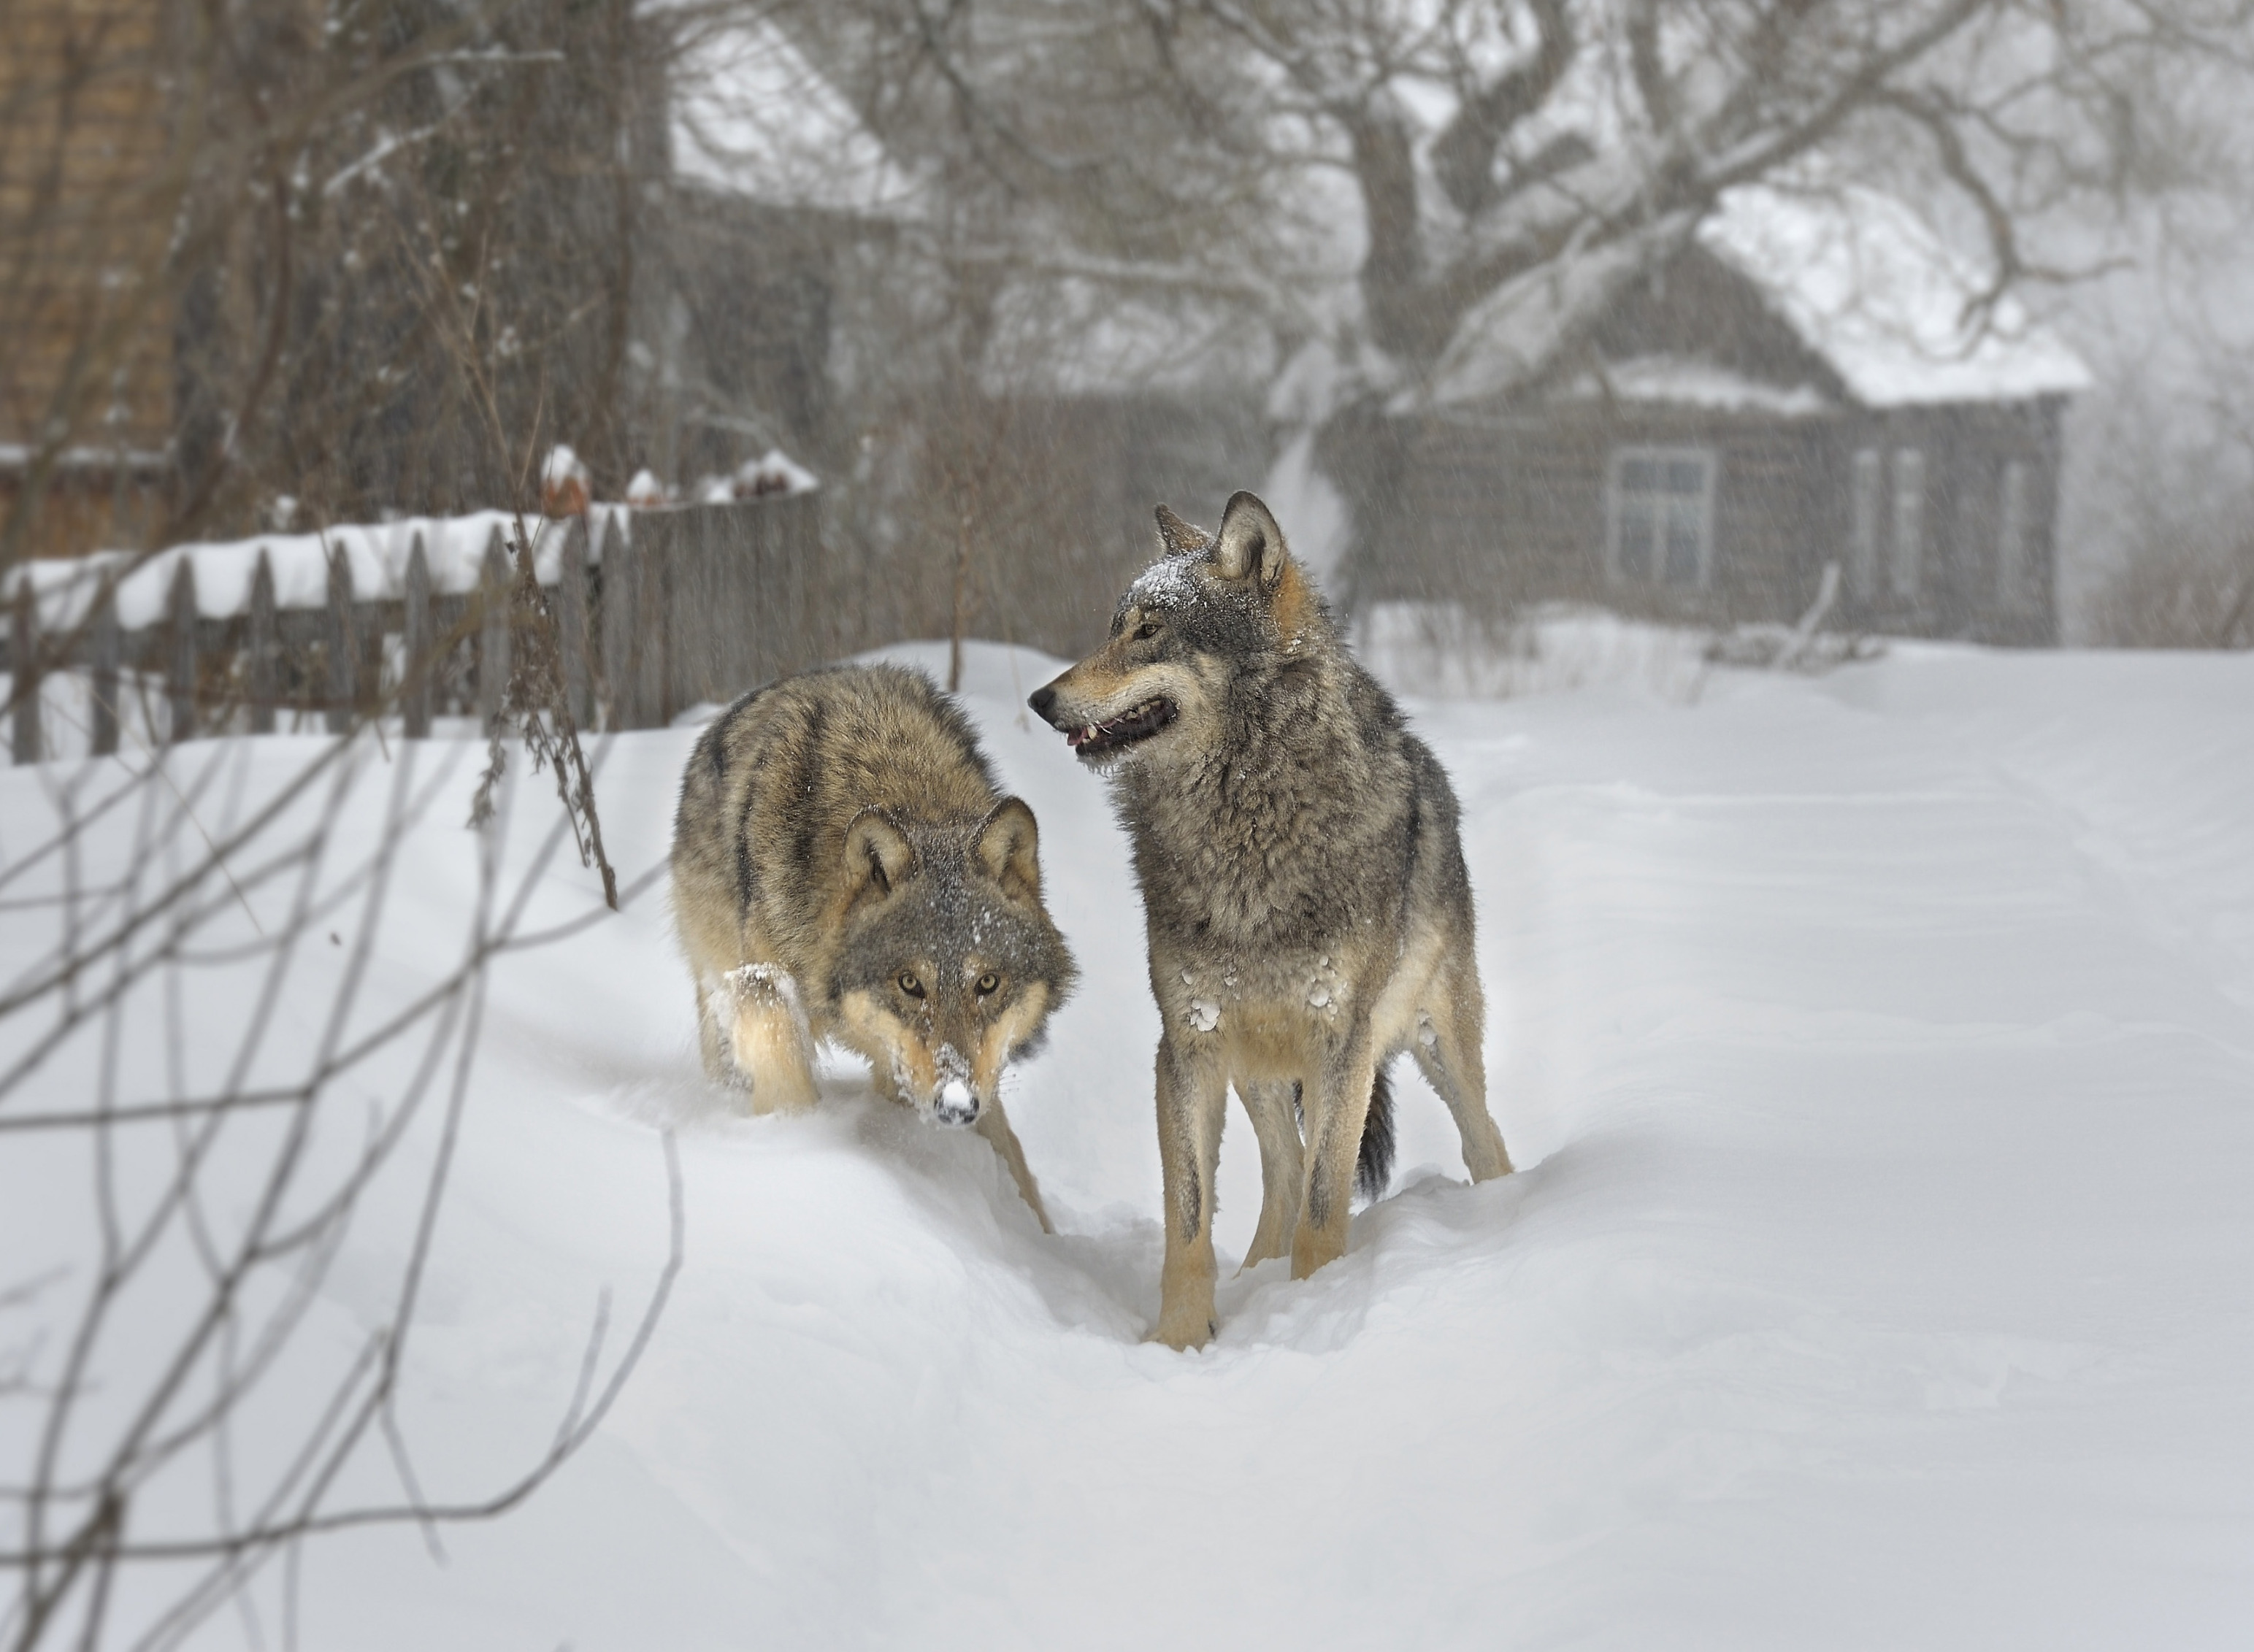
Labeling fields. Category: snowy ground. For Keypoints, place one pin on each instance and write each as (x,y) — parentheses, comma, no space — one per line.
(1879,1054)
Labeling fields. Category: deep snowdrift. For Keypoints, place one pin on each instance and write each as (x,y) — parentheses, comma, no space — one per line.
(1879,1054)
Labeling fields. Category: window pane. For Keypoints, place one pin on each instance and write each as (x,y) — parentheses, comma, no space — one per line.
(1686,476)
(1685,519)
(1639,476)
(1639,526)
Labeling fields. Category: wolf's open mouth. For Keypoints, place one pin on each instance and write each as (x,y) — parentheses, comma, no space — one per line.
(1101,739)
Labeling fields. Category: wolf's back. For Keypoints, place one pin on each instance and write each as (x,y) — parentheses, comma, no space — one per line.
(775,782)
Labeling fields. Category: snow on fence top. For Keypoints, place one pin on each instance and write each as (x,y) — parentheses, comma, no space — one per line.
(453,549)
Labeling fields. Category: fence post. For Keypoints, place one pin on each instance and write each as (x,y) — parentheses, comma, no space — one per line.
(180,687)
(106,645)
(416,642)
(620,555)
(265,672)
(23,661)
(571,623)
(492,639)
(344,644)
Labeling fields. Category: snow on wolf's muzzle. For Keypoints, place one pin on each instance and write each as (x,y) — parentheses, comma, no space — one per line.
(954,1102)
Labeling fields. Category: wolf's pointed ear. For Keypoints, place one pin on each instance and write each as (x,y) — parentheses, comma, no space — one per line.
(1249,542)
(878,855)
(1008,847)
(1180,538)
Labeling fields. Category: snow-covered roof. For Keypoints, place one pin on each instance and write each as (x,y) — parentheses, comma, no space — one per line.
(1857,274)
(752,116)
(1679,381)
(1869,287)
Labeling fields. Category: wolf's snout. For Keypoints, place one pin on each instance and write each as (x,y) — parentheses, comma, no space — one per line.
(1041,699)
(956,1103)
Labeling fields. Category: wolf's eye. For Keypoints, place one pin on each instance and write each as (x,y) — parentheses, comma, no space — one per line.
(989,983)
(1145,631)
(910,985)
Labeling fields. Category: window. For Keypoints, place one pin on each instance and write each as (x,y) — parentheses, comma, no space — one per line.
(2015,573)
(1909,522)
(1661,516)
(1863,544)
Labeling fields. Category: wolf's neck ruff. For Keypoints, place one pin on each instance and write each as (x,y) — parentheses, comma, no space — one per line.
(1277,820)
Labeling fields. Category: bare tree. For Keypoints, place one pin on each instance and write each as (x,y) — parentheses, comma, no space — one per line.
(374,257)
(1512,165)
(193,1054)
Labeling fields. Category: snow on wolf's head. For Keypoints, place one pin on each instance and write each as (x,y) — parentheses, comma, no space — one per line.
(949,965)
(1218,614)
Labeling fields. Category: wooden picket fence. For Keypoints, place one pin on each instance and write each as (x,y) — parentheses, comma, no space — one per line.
(698,603)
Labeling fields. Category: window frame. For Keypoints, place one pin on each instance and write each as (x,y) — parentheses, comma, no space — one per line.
(1868,507)
(2017,586)
(1710,463)
(1906,544)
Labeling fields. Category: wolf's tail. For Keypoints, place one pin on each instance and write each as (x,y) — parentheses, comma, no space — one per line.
(1373,1165)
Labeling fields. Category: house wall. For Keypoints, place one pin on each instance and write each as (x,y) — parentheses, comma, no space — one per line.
(1961,592)
(1513,512)
(84,330)
(1509,510)
(1047,501)
(750,291)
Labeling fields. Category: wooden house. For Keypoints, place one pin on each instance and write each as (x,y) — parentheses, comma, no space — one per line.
(1810,380)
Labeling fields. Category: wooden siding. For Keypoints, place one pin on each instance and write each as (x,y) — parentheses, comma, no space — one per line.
(1505,512)
(1062,514)
(85,329)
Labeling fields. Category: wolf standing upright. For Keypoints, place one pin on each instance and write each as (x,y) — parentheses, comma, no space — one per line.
(1309,916)
(843,867)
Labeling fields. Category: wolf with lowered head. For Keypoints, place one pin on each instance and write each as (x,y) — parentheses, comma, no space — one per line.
(845,868)
(1309,912)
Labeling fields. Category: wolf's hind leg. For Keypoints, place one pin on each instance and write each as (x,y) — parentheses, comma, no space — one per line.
(1272,1106)
(768,1040)
(994,1126)
(1337,1106)
(1449,1046)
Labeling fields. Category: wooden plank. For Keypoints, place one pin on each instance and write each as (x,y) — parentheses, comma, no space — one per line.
(343,645)
(652,567)
(105,644)
(265,644)
(416,639)
(617,573)
(702,619)
(23,662)
(180,678)
(572,635)
(493,633)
